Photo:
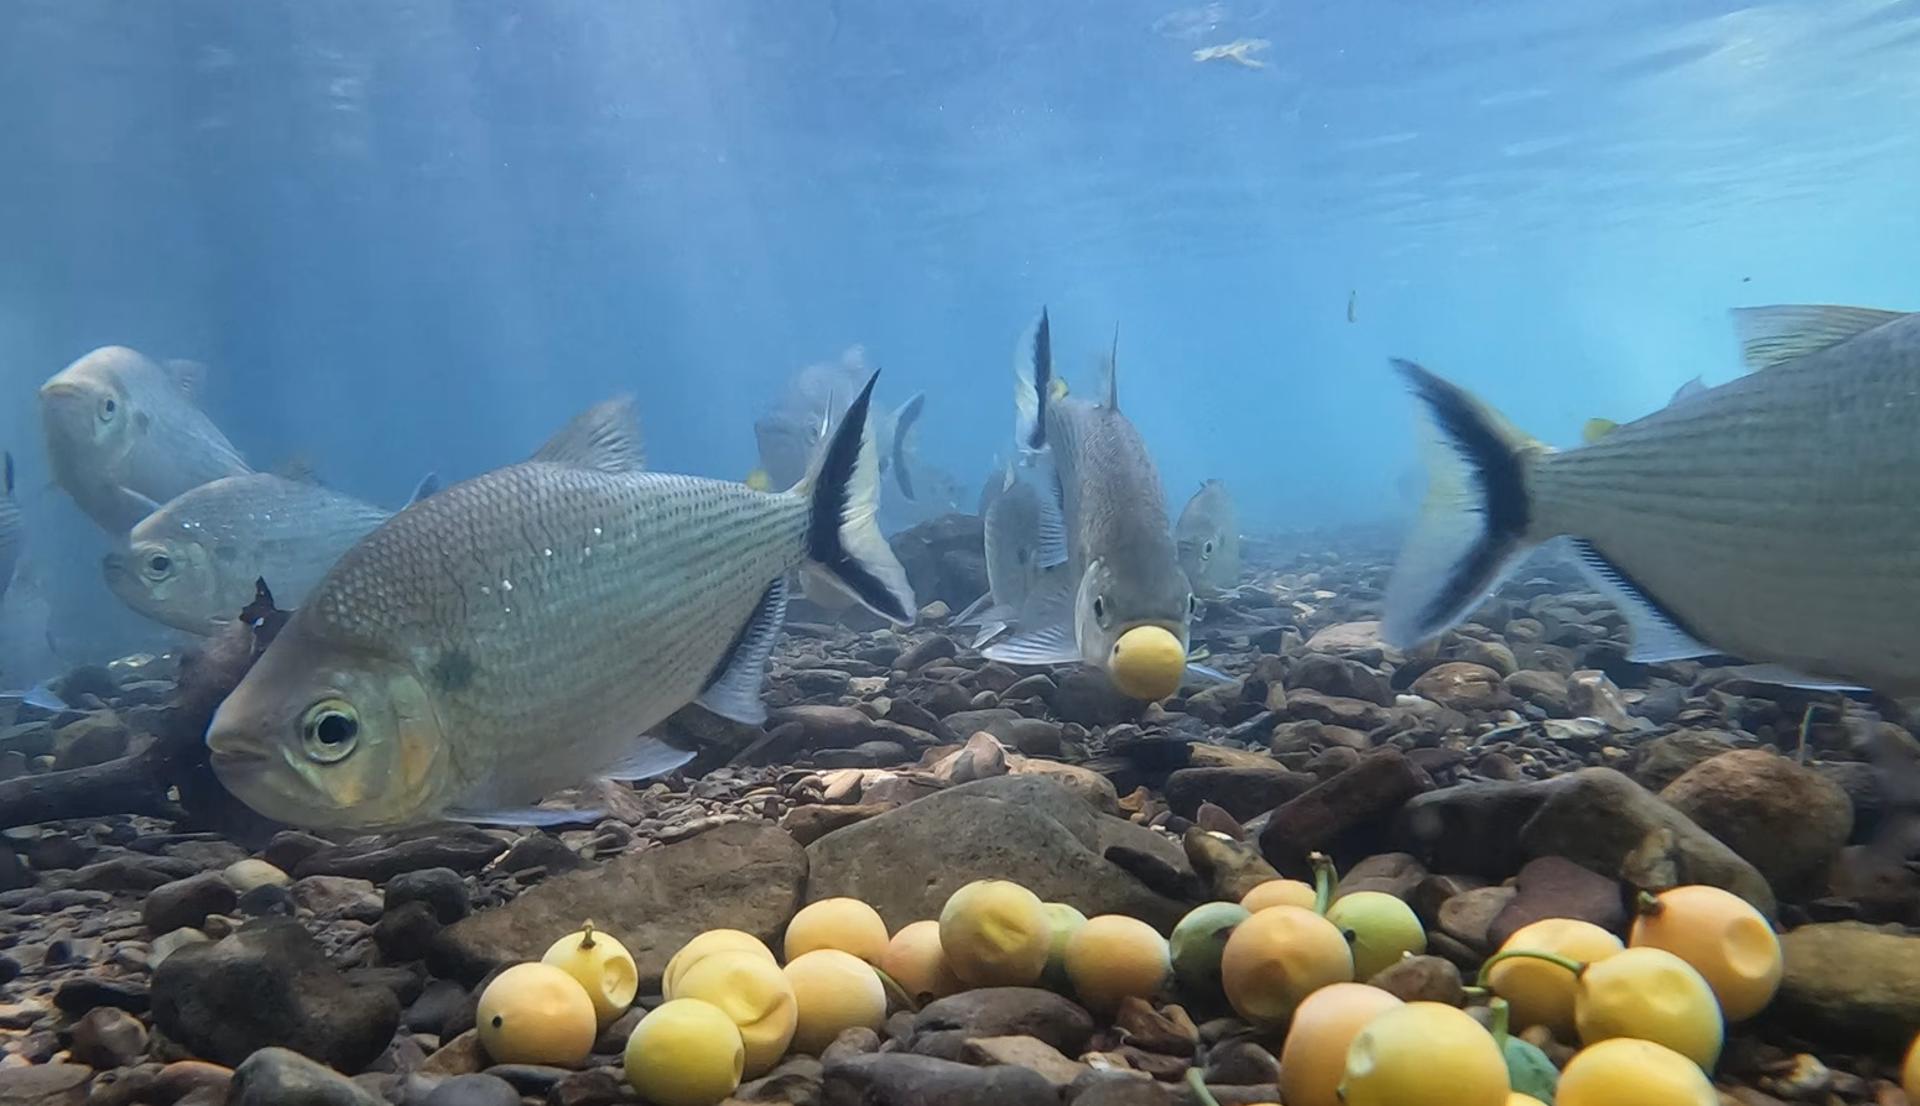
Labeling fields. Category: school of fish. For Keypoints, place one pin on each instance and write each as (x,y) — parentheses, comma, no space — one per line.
(525,631)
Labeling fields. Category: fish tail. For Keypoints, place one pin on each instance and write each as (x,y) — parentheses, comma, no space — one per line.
(1474,525)
(904,422)
(844,542)
(1033,386)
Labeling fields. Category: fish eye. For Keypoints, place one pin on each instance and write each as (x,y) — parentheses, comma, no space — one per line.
(1100,609)
(1206,549)
(1193,605)
(109,407)
(159,565)
(330,731)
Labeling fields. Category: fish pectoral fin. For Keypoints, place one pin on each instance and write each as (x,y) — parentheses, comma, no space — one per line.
(544,817)
(649,757)
(903,430)
(1656,631)
(733,690)
(143,503)
(1201,674)
(1781,333)
(972,614)
(988,631)
(605,437)
(1054,644)
(1050,544)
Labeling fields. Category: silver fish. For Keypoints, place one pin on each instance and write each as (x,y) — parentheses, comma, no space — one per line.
(1774,518)
(12,530)
(1016,527)
(1123,604)
(1208,539)
(789,436)
(193,563)
(517,633)
(125,435)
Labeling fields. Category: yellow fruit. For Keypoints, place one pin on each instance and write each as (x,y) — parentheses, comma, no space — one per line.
(1910,1074)
(602,965)
(833,991)
(712,941)
(1278,957)
(1148,663)
(755,994)
(536,1014)
(1278,892)
(1515,1098)
(845,924)
(919,965)
(1652,995)
(996,934)
(1723,937)
(1425,1054)
(1315,1057)
(1626,1071)
(1541,993)
(1114,957)
(1383,928)
(685,1053)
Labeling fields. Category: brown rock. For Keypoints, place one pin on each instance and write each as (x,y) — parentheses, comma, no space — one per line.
(1665,759)
(1553,887)
(1228,867)
(1036,1056)
(1462,686)
(1786,820)
(1244,791)
(1468,916)
(463,1055)
(1423,979)
(809,823)
(45,1085)
(1852,985)
(1371,791)
(738,876)
(1546,690)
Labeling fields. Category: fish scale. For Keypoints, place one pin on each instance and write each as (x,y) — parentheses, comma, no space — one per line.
(621,623)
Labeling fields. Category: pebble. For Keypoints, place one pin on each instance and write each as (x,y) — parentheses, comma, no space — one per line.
(108,1038)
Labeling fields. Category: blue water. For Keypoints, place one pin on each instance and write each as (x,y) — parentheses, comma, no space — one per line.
(420,235)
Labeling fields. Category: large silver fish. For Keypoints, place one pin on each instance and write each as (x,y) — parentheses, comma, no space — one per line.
(12,530)
(193,563)
(125,435)
(1208,539)
(1775,518)
(517,633)
(789,436)
(1017,530)
(1123,604)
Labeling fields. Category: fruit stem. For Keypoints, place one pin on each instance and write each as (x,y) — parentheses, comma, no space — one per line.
(898,992)
(1199,1085)
(1324,876)
(1501,1020)
(586,937)
(1486,969)
(1648,905)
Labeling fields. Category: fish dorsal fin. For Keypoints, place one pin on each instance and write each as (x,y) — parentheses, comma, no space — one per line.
(189,376)
(1692,389)
(429,484)
(605,437)
(904,422)
(1781,333)
(1111,370)
(733,691)
(1033,386)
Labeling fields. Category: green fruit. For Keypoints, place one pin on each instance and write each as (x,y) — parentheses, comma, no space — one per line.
(1198,942)
(1529,1071)
(1382,928)
(1065,922)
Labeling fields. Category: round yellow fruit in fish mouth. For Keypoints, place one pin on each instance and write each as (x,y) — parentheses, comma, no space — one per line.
(1147,663)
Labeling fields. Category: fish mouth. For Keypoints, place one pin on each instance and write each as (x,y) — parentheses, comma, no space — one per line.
(1147,662)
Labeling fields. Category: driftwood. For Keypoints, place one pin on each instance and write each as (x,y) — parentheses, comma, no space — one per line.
(168,772)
